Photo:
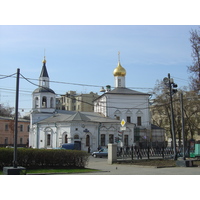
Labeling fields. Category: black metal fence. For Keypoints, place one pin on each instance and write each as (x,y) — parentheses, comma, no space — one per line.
(146,153)
(11,145)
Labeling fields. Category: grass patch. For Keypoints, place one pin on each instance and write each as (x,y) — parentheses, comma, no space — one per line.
(58,171)
(156,162)
(153,162)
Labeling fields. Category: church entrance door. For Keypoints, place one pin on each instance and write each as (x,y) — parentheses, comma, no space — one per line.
(79,143)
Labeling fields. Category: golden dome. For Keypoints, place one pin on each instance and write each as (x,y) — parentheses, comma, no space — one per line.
(119,70)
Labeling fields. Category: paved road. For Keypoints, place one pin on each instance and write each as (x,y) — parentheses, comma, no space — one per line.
(120,169)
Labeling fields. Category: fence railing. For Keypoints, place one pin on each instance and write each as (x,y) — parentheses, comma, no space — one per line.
(137,153)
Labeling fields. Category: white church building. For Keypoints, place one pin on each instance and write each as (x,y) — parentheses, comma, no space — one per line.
(50,128)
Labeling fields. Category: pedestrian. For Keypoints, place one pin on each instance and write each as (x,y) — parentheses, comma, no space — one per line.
(89,149)
(99,148)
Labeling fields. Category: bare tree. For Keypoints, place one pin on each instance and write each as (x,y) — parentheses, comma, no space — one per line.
(6,111)
(161,117)
(195,67)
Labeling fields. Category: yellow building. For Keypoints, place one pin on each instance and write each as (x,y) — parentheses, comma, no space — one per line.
(76,102)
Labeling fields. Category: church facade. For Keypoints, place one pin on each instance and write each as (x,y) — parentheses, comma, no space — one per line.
(50,128)
(122,103)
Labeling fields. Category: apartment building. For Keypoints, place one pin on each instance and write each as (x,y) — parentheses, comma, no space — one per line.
(7,132)
(76,102)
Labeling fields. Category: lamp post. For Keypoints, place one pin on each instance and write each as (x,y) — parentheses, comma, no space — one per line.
(171,85)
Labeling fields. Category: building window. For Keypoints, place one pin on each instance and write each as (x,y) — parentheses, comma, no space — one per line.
(21,128)
(6,141)
(117,117)
(28,128)
(128,119)
(21,140)
(139,121)
(76,137)
(36,102)
(126,140)
(111,140)
(43,83)
(51,102)
(66,139)
(103,139)
(6,127)
(119,82)
(87,140)
(48,139)
(44,102)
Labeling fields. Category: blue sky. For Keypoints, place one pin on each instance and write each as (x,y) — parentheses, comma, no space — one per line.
(89,54)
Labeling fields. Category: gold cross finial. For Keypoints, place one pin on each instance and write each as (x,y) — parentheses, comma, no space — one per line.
(119,56)
(44,61)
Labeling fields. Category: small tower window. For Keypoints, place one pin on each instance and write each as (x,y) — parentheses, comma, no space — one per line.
(51,102)
(36,102)
(119,82)
(44,102)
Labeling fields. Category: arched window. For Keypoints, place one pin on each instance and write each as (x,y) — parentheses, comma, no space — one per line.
(48,139)
(103,139)
(36,102)
(76,136)
(87,140)
(66,139)
(44,102)
(111,140)
(51,102)
(126,140)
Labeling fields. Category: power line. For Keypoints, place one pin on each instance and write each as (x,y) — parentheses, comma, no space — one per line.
(78,84)
(7,76)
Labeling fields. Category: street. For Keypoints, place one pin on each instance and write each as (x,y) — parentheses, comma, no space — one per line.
(121,169)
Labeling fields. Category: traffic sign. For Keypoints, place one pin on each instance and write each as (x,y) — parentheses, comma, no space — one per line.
(123,128)
(123,122)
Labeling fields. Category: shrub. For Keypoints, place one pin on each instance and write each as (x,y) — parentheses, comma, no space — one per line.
(44,158)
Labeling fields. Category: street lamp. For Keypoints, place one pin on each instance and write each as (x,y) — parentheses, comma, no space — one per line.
(169,82)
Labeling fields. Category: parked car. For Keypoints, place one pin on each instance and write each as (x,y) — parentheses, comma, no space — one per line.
(101,153)
(71,146)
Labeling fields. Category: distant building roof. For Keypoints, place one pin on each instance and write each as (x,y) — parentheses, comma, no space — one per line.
(43,89)
(124,90)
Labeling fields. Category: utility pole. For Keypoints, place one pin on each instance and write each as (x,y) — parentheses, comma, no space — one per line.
(169,82)
(15,170)
(172,117)
(16,119)
(183,124)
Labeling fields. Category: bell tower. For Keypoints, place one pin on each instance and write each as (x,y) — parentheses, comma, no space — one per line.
(43,98)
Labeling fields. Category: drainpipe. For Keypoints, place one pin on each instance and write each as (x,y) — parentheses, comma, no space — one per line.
(56,132)
(98,142)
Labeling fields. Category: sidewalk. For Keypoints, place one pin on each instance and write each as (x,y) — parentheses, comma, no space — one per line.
(121,169)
